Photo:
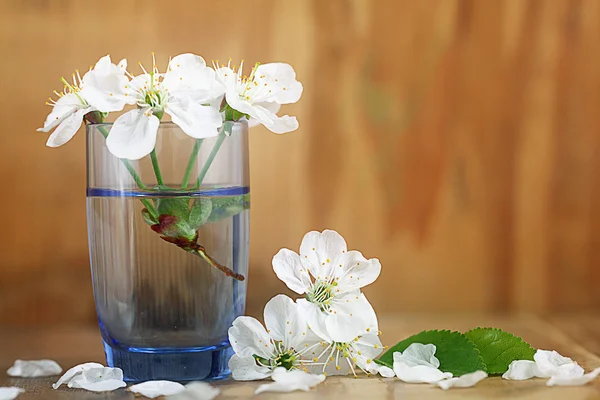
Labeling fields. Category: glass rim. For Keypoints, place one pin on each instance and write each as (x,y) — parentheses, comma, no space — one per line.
(164,123)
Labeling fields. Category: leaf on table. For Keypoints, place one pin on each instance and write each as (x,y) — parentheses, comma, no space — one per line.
(456,353)
(225,207)
(199,213)
(499,348)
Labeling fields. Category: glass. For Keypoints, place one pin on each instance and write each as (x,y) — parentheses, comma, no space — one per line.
(157,241)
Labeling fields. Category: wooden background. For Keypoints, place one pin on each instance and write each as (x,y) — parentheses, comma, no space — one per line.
(456,140)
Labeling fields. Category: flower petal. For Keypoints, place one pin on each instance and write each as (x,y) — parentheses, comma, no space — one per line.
(319,247)
(106,385)
(188,75)
(76,370)
(350,316)
(419,373)
(246,369)
(67,128)
(573,380)
(105,86)
(10,393)
(153,389)
(197,391)
(465,381)
(280,79)
(284,322)
(368,347)
(272,107)
(520,370)
(133,135)
(97,374)
(289,381)
(272,122)
(64,107)
(34,369)
(315,318)
(384,371)
(418,354)
(550,363)
(356,271)
(289,269)
(248,337)
(193,118)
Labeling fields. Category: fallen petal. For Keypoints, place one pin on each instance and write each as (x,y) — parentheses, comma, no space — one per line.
(289,381)
(419,373)
(464,381)
(550,364)
(197,391)
(10,393)
(520,370)
(76,370)
(384,371)
(418,354)
(34,368)
(102,379)
(153,389)
(573,381)
(107,385)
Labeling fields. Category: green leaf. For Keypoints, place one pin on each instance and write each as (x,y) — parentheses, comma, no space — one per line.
(177,207)
(456,353)
(148,217)
(498,348)
(225,207)
(201,210)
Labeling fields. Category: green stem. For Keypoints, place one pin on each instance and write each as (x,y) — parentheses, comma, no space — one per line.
(157,172)
(193,156)
(210,159)
(149,206)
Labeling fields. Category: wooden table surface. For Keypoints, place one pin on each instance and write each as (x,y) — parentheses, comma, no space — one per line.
(576,336)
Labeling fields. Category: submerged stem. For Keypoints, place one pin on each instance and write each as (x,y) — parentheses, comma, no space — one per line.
(188,170)
(138,181)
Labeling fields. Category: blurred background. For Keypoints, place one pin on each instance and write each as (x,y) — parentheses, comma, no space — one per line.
(456,140)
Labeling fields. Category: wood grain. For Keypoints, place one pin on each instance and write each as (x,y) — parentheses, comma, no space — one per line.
(73,346)
(455,140)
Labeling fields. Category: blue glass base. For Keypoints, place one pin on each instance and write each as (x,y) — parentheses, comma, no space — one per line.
(173,364)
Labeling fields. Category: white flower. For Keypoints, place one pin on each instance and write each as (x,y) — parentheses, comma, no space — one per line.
(154,389)
(341,358)
(10,393)
(100,379)
(464,381)
(289,381)
(82,97)
(573,380)
(34,369)
(282,344)
(261,94)
(197,391)
(331,277)
(418,364)
(74,372)
(180,92)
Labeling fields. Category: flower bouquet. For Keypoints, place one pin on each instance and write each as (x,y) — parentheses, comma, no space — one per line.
(168,202)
